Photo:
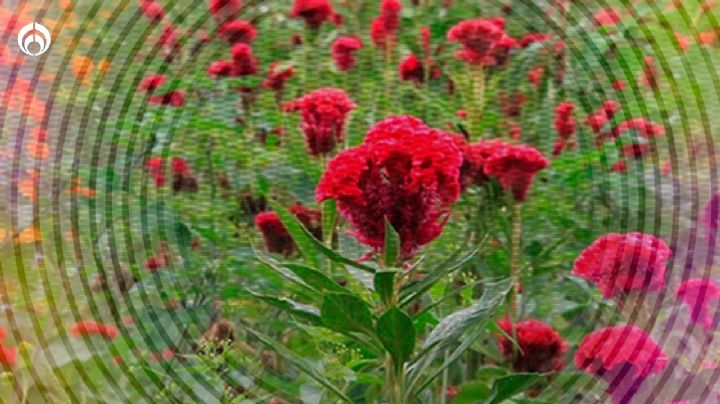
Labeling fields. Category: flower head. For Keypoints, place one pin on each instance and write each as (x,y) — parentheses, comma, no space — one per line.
(243,60)
(314,12)
(90,328)
(152,83)
(479,38)
(343,52)
(152,11)
(541,347)
(515,167)
(173,98)
(386,25)
(564,125)
(324,112)
(277,239)
(702,297)
(641,126)
(221,68)
(532,38)
(624,262)
(277,77)
(606,17)
(224,10)
(237,31)
(411,69)
(8,357)
(472,171)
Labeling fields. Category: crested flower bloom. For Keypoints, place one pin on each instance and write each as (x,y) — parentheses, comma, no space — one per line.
(324,112)
(565,126)
(221,68)
(711,216)
(155,169)
(472,171)
(606,17)
(152,82)
(535,76)
(276,237)
(642,127)
(541,347)
(88,328)
(515,168)
(243,59)
(623,356)
(169,38)
(173,98)
(405,173)
(277,76)
(343,52)
(411,69)
(385,26)
(479,39)
(224,10)
(315,12)
(502,49)
(624,262)
(702,297)
(183,180)
(237,31)
(532,38)
(152,11)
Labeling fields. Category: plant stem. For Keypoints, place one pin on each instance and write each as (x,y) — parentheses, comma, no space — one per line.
(395,381)
(445,376)
(515,258)
(478,98)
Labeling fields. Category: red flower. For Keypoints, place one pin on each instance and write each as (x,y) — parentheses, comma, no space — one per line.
(8,357)
(155,169)
(151,83)
(411,69)
(711,216)
(89,328)
(541,347)
(535,75)
(515,167)
(152,11)
(174,98)
(385,26)
(343,52)
(314,12)
(224,10)
(180,166)
(276,78)
(619,85)
(511,105)
(404,172)
(624,262)
(701,296)
(623,356)
(153,264)
(503,47)
(532,38)
(472,171)
(243,59)
(610,108)
(479,38)
(641,126)
(169,38)
(277,239)
(606,17)
(564,125)
(682,41)
(237,32)
(324,112)
(221,68)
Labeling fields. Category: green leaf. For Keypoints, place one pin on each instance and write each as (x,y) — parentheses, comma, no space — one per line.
(329,217)
(298,232)
(315,278)
(384,283)
(345,313)
(334,256)
(506,387)
(472,392)
(392,245)
(303,311)
(397,334)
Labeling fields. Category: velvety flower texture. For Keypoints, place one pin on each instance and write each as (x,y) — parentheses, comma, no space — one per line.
(314,12)
(276,237)
(384,27)
(472,171)
(624,262)
(93,328)
(343,52)
(224,10)
(405,172)
(623,356)
(541,347)
(702,297)
(479,38)
(515,168)
(244,62)
(565,126)
(237,31)
(324,112)
(277,77)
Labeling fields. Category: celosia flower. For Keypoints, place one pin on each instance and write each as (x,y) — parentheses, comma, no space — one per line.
(623,356)
(532,38)
(153,264)
(182,179)
(221,68)
(641,126)
(541,347)
(564,125)
(276,77)
(702,297)
(385,26)
(324,112)
(707,37)
(515,168)
(8,357)
(93,328)
(682,41)
(535,76)
(711,216)
(502,49)
(237,31)
(619,85)
(314,12)
(243,59)
(276,237)
(224,10)
(174,98)
(624,262)
(606,17)
(411,69)
(472,171)
(169,38)
(343,52)
(479,38)
(152,83)
(405,173)
(152,11)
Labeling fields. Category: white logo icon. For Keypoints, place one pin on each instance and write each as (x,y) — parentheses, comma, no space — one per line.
(34,33)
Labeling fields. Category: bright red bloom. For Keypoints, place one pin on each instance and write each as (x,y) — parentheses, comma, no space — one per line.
(541,347)
(155,165)
(170,37)
(180,166)
(404,172)
(174,98)
(515,167)
(221,68)
(343,52)
(90,328)
(641,126)
(472,171)
(277,239)
(411,69)
(711,216)
(606,17)
(153,264)
(224,10)
(479,38)
(619,85)
(237,31)
(385,26)
(243,59)
(610,108)
(624,262)
(276,77)
(503,47)
(535,75)
(532,38)
(324,112)
(314,12)
(623,356)
(152,11)
(8,357)
(564,125)
(682,41)
(152,82)
(701,296)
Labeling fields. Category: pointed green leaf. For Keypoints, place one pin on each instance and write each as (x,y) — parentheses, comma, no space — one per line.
(329,217)
(392,245)
(506,387)
(334,256)
(384,283)
(315,278)
(397,334)
(345,313)
(298,232)
(303,311)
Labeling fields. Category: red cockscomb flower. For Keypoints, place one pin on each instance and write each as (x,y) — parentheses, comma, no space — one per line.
(314,12)
(643,128)
(221,68)
(623,356)
(479,38)
(277,239)
(152,11)
(404,172)
(237,32)
(243,59)
(606,18)
(155,169)
(343,52)
(151,83)
(324,112)
(515,168)
(174,98)
(170,37)
(93,328)
(541,347)
(472,171)
(711,216)
(224,10)
(535,76)
(624,262)
(701,296)
(277,77)
(564,125)
(8,357)
(502,49)
(384,27)
(619,85)
(532,38)
(411,69)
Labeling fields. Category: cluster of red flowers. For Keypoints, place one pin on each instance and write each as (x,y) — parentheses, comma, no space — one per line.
(385,26)
(565,127)
(277,77)
(88,328)
(541,348)
(405,173)
(606,17)
(624,262)
(152,11)
(276,237)
(598,120)
(324,112)
(183,180)
(315,12)
(8,355)
(343,51)
(150,84)
(480,39)
(702,297)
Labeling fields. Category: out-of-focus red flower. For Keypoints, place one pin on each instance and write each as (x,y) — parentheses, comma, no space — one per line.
(620,166)
(450,391)
(515,168)
(277,77)
(650,73)
(152,11)
(243,59)
(310,218)
(174,98)
(152,82)
(711,216)
(180,166)
(411,69)
(707,37)
(564,125)
(221,68)
(472,171)
(93,328)
(641,126)
(511,105)
(502,49)
(153,264)
(237,31)
(461,114)
(624,262)
(404,172)
(702,297)
(682,41)
(315,12)
(606,17)
(610,108)
(479,39)
(324,112)
(224,10)
(541,347)
(8,357)
(343,52)
(155,168)
(384,27)
(535,76)
(277,239)
(532,38)
(623,356)
(515,133)
(619,85)
(170,37)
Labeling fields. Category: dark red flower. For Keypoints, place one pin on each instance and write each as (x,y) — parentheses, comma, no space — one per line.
(623,356)
(411,69)
(515,168)
(535,75)
(243,59)
(155,168)
(8,357)
(503,47)
(237,31)
(152,82)
(174,98)
(277,239)
(343,52)
(314,12)
(277,77)
(711,216)
(702,296)
(221,68)
(619,85)
(641,126)
(404,172)
(153,264)
(472,171)
(324,112)
(597,121)
(180,166)
(92,328)
(541,347)
(170,37)
(152,11)
(224,10)
(532,38)
(385,26)
(479,39)
(564,125)
(610,108)
(624,262)
(606,17)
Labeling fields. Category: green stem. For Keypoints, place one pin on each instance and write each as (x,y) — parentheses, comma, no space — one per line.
(478,98)
(395,381)
(515,258)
